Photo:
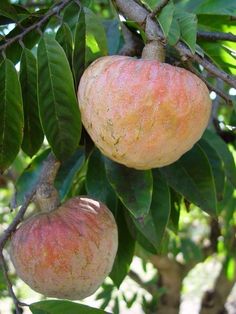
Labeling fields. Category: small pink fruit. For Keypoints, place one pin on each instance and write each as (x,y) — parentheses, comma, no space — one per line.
(66,253)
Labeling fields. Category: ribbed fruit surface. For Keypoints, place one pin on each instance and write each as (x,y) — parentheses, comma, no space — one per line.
(68,252)
(142,113)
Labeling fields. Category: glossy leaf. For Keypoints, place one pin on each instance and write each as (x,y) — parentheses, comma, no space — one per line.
(97,184)
(153,225)
(217,167)
(223,151)
(133,187)
(188,28)
(67,172)
(71,15)
(125,251)
(62,307)
(33,134)
(192,177)
(11,114)
(64,38)
(58,106)
(165,17)
(79,52)
(30,176)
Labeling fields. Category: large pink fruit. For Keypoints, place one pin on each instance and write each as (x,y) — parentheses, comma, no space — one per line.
(142,113)
(68,252)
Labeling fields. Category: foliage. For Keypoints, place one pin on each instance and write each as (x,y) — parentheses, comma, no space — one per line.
(39,75)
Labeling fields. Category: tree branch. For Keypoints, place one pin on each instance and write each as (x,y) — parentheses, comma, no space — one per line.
(214,300)
(218,91)
(213,36)
(135,12)
(17,303)
(53,11)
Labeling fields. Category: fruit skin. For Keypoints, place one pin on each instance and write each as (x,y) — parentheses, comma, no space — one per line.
(142,113)
(67,252)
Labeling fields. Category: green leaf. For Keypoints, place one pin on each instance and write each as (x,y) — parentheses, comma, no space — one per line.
(14,51)
(133,187)
(153,225)
(67,172)
(165,17)
(30,176)
(223,151)
(64,38)
(217,167)
(33,134)
(79,52)
(125,251)
(97,184)
(220,7)
(7,10)
(11,114)
(188,28)
(58,106)
(62,307)
(71,15)
(175,210)
(174,32)
(96,42)
(114,38)
(192,177)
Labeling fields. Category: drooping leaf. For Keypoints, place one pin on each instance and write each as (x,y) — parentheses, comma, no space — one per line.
(188,28)
(58,106)
(223,151)
(30,176)
(71,15)
(165,17)
(192,177)
(175,210)
(64,38)
(217,167)
(96,42)
(125,251)
(174,32)
(62,307)
(153,225)
(33,134)
(97,184)
(79,52)
(67,172)
(114,37)
(11,114)
(133,187)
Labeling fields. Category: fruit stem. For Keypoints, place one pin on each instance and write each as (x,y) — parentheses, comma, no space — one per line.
(155,46)
(46,196)
(154,50)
